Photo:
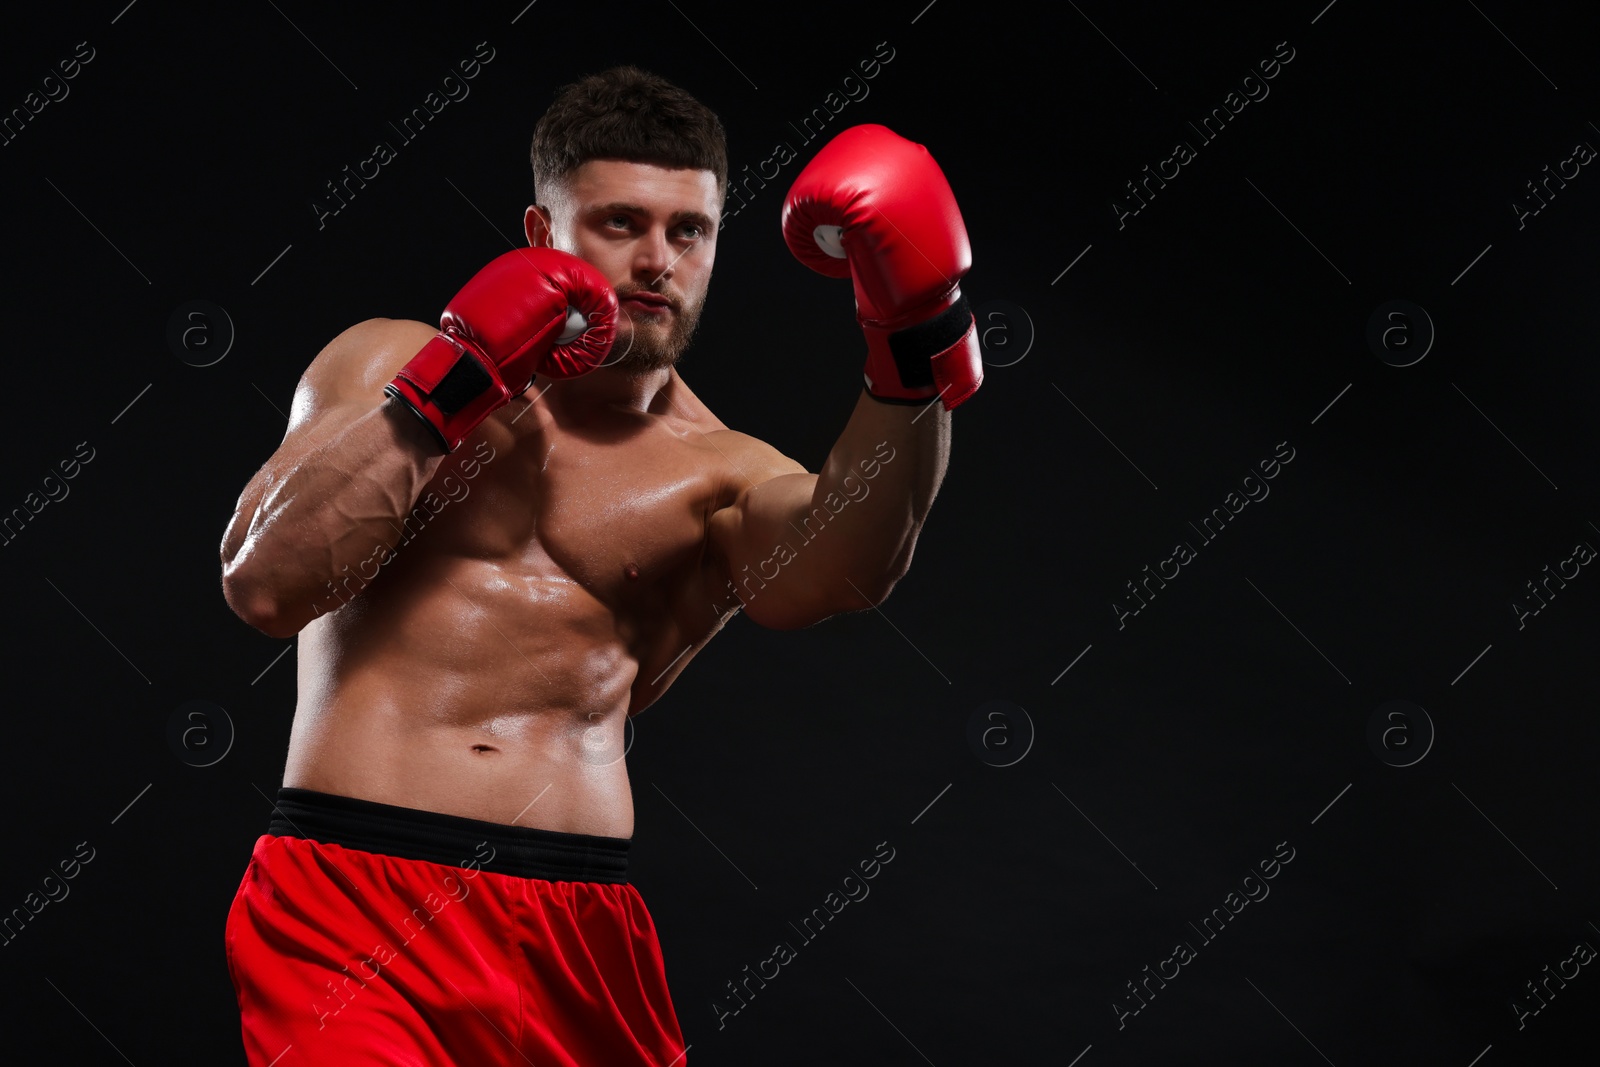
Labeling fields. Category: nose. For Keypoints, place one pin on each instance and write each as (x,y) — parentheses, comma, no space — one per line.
(653,261)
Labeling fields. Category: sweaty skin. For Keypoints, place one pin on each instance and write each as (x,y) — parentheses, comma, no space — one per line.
(584,555)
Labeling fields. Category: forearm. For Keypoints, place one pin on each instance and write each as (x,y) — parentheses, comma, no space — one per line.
(878,486)
(319,519)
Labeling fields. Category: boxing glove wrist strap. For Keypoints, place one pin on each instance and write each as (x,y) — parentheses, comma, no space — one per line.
(450,387)
(935,358)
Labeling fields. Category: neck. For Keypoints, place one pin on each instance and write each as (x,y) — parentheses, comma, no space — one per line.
(609,387)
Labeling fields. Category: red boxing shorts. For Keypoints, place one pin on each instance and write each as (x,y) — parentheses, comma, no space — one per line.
(367,934)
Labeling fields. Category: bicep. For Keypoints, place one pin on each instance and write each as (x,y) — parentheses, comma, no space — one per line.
(749,528)
(765,537)
(344,382)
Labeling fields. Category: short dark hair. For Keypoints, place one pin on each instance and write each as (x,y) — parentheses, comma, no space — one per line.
(629,114)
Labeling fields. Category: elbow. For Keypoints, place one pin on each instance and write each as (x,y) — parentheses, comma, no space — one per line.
(808,600)
(877,593)
(276,627)
(257,607)
(883,583)
(874,589)
(798,613)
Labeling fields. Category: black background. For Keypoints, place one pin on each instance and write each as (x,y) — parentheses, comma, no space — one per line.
(1177,352)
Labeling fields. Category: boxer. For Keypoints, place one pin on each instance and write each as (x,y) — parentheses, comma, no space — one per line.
(499,538)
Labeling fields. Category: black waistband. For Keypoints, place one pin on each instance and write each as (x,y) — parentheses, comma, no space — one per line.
(433,837)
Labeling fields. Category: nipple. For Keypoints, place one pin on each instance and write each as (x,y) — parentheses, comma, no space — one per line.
(631,571)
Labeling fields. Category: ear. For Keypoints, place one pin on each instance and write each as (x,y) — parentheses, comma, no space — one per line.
(536,225)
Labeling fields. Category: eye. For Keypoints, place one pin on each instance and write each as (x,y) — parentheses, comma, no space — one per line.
(619,221)
(692,231)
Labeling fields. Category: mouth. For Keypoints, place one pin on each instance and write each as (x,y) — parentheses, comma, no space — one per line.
(646,303)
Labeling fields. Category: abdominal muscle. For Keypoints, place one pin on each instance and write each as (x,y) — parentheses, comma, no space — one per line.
(457,685)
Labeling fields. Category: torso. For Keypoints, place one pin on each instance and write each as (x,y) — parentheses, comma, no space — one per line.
(559,582)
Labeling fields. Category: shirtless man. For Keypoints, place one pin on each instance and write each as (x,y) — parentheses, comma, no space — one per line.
(501,538)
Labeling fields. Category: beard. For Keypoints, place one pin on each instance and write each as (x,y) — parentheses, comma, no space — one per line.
(643,345)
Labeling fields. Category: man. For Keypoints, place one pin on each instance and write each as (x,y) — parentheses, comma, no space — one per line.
(499,539)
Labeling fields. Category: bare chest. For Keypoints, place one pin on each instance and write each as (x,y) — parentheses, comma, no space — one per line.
(620,512)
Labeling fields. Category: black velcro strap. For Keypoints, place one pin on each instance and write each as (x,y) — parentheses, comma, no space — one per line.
(393,393)
(913,347)
(462,384)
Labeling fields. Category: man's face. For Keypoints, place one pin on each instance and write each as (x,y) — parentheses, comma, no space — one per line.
(651,231)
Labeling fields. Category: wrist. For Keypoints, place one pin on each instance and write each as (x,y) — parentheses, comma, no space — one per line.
(410,428)
(937,357)
(451,387)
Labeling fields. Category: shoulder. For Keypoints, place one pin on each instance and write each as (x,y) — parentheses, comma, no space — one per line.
(754,459)
(370,350)
(353,368)
(749,456)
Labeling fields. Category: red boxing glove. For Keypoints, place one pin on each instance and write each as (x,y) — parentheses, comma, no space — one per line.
(875,207)
(530,311)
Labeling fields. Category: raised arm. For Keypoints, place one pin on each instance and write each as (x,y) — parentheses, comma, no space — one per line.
(875,208)
(377,411)
(351,465)
(800,547)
